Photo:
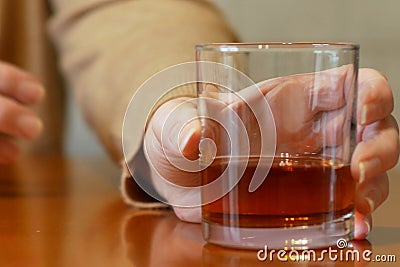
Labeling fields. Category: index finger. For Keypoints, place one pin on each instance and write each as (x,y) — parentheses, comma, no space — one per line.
(320,91)
(375,97)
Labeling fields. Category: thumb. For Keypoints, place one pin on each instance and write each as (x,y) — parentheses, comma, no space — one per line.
(176,126)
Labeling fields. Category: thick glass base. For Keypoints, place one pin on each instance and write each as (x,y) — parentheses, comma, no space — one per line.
(301,237)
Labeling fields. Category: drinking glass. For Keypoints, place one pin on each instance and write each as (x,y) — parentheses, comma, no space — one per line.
(278,131)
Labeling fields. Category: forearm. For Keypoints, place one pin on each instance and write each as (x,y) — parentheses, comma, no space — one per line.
(109,50)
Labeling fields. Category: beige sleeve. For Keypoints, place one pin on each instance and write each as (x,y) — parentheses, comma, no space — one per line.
(109,47)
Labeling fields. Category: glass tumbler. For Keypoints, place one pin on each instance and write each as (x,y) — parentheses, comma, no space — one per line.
(278,132)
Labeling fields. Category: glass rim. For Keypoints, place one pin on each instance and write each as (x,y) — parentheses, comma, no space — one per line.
(236,47)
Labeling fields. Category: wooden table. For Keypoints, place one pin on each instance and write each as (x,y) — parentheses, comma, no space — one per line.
(57,211)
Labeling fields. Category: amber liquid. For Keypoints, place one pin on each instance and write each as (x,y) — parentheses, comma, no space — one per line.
(296,192)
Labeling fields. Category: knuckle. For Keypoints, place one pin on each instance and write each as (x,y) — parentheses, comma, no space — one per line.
(370,72)
(374,85)
(12,77)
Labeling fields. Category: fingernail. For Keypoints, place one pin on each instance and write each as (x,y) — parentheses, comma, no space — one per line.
(367,225)
(371,204)
(30,126)
(368,166)
(30,92)
(41,93)
(361,231)
(362,172)
(186,134)
(371,199)
(364,114)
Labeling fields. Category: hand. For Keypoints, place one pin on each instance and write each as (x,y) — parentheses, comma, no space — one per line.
(377,127)
(18,92)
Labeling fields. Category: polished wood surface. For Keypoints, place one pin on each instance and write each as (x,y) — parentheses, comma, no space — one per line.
(56,211)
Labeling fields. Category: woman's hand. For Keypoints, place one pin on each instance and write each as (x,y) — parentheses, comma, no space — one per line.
(378,147)
(376,152)
(19,91)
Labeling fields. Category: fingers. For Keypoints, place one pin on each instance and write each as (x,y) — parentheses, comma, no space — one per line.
(371,159)
(320,91)
(330,126)
(19,85)
(18,120)
(329,88)
(375,97)
(18,90)
(378,152)
(370,195)
(362,226)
